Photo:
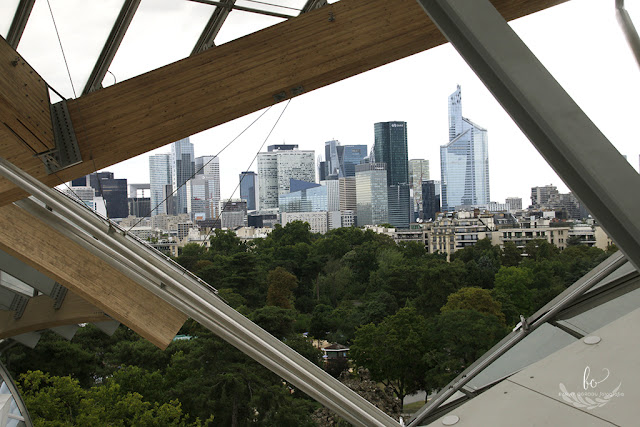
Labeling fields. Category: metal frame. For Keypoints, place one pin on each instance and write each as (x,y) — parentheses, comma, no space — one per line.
(194,297)
(628,29)
(11,385)
(225,5)
(211,30)
(19,22)
(311,5)
(111,46)
(572,145)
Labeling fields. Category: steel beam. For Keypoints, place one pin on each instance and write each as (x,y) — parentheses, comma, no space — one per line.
(572,145)
(313,5)
(111,45)
(19,22)
(628,29)
(212,28)
(225,5)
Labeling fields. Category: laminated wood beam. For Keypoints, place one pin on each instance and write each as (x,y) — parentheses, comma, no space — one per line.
(40,314)
(50,252)
(237,78)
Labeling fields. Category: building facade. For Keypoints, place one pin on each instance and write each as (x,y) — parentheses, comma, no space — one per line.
(182,169)
(430,200)
(372,194)
(248,189)
(275,170)
(159,178)
(418,173)
(464,161)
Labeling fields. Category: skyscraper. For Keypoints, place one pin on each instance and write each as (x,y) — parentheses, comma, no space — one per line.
(464,161)
(390,147)
(418,173)
(248,189)
(372,194)
(204,188)
(182,169)
(341,160)
(430,199)
(159,178)
(112,190)
(277,167)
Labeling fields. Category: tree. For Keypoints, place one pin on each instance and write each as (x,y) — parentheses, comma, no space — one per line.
(511,255)
(281,285)
(276,320)
(456,339)
(477,299)
(513,284)
(393,351)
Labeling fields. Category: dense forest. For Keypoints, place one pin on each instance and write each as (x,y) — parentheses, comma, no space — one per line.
(412,320)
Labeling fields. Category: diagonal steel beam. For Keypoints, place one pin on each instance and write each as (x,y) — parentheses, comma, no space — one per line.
(212,28)
(111,45)
(19,22)
(313,5)
(570,142)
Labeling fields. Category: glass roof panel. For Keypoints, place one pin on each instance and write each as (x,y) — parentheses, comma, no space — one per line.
(83,28)
(7,11)
(161,32)
(240,23)
(15,285)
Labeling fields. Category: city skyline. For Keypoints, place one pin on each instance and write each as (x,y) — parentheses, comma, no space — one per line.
(574,53)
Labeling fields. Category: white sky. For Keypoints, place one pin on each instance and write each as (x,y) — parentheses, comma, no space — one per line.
(580,42)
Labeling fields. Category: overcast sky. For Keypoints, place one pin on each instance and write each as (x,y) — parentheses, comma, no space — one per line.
(580,42)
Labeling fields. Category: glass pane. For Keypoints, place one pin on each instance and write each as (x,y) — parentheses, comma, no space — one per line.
(7,11)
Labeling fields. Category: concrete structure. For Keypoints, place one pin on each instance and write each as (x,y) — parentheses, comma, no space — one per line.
(464,161)
(234,213)
(513,203)
(320,222)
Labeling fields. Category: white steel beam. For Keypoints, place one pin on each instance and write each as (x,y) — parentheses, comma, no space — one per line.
(572,145)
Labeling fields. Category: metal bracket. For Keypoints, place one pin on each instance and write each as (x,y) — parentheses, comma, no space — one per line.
(67,152)
(18,305)
(58,293)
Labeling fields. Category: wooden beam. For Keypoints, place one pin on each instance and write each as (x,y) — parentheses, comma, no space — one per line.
(218,85)
(50,252)
(40,314)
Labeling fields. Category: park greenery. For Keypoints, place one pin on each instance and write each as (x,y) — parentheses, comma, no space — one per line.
(413,321)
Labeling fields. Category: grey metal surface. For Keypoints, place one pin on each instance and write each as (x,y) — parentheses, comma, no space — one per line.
(192,296)
(19,22)
(211,30)
(546,313)
(313,5)
(67,152)
(26,273)
(111,46)
(572,145)
(628,29)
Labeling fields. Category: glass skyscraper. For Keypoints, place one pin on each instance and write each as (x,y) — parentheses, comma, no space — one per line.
(372,194)
(182,169)
(248,189)
(464,161)
(159,178)
(341,160)
(390,147)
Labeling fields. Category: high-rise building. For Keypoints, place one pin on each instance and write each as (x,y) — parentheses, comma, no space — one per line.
(277,167)
(112,190)
(159,178)
(464,161)
(182,169)
(348,194)
(430,199)
(418,173)
(234,213)
(203,198)
(390,147)
(341,160)
(513,203)
(248,189)
(399,203)
(372,194)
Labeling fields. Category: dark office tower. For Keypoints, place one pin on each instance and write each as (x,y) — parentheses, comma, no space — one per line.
(391,148)
(430,199)
(322,171)
(399,202)
(113,191)
(248,189)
